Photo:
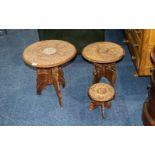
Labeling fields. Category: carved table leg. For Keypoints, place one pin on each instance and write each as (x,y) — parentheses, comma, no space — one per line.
(55,78)
(94,104)
(107,104)
(48,76)
(106,70)
(97,73)
(110,73)
(102,110)
(61,77)
(43,79)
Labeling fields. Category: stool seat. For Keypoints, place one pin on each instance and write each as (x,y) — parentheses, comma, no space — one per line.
(101,92)
(103,52)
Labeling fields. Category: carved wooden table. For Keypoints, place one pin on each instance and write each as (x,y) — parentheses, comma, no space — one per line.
(47,57)
(101,95)
(104,55)
(149,104)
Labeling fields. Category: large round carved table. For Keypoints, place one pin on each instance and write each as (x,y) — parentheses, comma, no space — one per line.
(104,56)
(148,115)
(48,57)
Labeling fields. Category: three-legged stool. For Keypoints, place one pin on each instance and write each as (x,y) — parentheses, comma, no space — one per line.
(101,95)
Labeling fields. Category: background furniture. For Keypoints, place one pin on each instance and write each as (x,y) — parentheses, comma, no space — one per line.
(3,32)
(141,42)
(78,37)
(47,57)
(104,55)
(149,105)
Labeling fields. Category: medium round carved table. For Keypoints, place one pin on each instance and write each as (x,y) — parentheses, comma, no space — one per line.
(148,115)
(101,94)
(104,55)
(48,57)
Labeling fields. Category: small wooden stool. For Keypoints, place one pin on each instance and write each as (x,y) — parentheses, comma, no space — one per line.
(101,95)
(47,57)
(104,55)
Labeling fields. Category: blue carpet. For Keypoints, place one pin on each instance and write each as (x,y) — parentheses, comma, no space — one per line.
(19,104)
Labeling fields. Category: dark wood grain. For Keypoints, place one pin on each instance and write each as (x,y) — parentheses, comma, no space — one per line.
(50,76)
(149,104)
(106,70)
(101,95)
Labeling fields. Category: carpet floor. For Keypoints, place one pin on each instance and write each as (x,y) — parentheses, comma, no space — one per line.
(19,104)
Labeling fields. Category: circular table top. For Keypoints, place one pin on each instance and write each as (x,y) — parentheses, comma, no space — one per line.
(101,92)
(49,53)
(103,52)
